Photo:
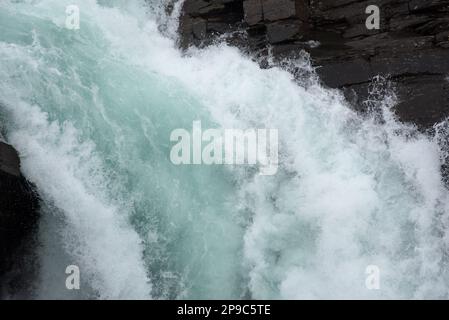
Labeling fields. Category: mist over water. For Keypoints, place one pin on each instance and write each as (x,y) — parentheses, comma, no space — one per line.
(91,112)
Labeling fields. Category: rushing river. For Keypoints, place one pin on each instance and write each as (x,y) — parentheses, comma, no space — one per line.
(91,112)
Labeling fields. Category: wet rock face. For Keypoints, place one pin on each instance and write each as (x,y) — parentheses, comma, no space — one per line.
(18,216)
(411,47)
(204,19)
(9,160)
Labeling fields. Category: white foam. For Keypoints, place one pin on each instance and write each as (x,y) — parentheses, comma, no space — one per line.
(349,193)
(73,184)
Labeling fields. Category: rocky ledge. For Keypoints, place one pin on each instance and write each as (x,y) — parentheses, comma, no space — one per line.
(18,218)
(411,47)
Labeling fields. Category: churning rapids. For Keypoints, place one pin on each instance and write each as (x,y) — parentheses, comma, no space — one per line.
(91,112)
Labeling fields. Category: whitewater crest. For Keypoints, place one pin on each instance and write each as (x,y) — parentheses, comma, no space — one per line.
(91,111)
(226,146)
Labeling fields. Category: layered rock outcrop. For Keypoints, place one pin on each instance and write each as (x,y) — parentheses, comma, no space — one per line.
(411,47)
(18,216)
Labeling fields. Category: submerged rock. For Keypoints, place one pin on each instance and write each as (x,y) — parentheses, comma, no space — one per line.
(411,48)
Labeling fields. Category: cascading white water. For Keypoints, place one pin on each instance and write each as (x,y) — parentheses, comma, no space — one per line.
(91,113)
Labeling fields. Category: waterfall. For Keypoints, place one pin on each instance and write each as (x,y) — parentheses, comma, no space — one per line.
(91,112)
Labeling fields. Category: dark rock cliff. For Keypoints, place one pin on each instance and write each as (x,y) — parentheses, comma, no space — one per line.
(411,48)
(18,219)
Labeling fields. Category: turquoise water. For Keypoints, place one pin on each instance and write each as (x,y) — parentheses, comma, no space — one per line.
(91,112)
